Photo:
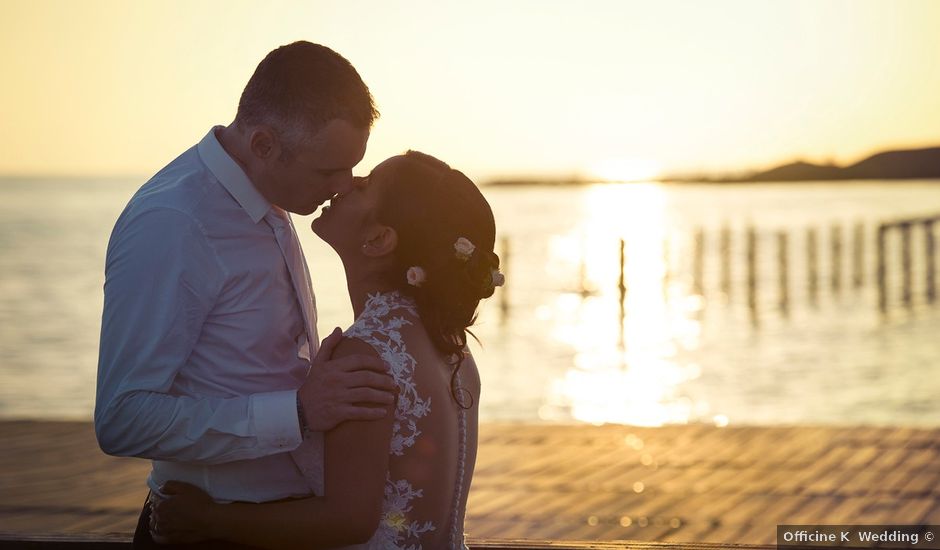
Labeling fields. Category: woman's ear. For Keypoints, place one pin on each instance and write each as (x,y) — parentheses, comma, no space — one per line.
(381,240)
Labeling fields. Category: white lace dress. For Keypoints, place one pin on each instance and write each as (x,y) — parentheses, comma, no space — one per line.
(380,325)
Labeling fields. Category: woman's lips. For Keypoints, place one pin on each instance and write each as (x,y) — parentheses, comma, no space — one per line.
(325,209)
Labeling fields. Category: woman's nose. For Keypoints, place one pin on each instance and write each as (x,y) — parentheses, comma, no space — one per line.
(344,183)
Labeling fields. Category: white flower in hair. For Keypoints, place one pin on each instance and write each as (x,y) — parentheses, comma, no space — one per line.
(464,248)
(498,278)
(416,276)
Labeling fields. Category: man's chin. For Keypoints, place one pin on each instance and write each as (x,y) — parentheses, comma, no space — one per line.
(306,210)
(311,207)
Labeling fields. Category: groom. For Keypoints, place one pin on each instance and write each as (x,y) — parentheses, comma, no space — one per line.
(208,360)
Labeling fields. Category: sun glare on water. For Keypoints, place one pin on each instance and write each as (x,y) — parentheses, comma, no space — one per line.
(626,170)
(625,372)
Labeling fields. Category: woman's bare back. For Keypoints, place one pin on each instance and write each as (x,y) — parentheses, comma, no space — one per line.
(434,439)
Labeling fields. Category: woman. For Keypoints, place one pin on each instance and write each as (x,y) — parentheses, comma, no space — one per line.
(416,240)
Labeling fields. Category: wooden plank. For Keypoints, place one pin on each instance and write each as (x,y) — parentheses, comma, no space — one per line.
(761,479)
(783,508)
(882,511)
(544,481)
(688,479)
(932,517)
(846,512)
(861,456)
(889,459)
(920,482)
(814,511)
(758,533)
(915,509)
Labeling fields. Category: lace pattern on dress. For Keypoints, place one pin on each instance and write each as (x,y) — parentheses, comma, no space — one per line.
(380,325)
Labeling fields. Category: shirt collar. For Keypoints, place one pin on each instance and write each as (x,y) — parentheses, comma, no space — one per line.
(231,176)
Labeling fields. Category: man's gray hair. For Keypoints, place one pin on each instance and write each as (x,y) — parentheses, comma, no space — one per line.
(298,88)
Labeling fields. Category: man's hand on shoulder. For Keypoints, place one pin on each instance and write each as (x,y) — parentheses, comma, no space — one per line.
(347,381)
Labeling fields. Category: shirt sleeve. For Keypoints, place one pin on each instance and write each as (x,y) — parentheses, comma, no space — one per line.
(161,280)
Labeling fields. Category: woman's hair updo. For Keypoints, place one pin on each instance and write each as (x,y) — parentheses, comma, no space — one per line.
(430,205)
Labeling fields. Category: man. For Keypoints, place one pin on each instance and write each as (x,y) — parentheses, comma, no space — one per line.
(209,320)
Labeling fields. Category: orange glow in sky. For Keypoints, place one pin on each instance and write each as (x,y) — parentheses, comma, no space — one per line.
(495,88)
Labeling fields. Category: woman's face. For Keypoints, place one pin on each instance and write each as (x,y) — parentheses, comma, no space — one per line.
(345,223)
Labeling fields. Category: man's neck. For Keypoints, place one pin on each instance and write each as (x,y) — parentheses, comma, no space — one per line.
(230,139)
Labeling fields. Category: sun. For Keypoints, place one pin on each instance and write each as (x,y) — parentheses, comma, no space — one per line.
(626,169)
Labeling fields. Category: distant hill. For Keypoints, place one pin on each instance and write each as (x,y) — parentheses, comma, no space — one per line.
(541,182)
(907,164)
(889,165)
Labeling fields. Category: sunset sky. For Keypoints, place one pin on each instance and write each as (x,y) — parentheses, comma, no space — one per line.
(497,88)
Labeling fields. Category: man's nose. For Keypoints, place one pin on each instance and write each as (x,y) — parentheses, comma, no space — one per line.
(343,183)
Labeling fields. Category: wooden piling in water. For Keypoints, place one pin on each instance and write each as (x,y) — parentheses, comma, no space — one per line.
(906,228)
(783,270)
(582,275)
(622,286)
(698,263)
(906,275)
(725,252)
(667,267)
(858,256)
(752,274)
(503,290)
(930,259)
(881,269)
(812,267)
(835,248)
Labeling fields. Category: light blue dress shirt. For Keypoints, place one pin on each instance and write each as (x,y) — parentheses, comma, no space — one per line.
(203,342)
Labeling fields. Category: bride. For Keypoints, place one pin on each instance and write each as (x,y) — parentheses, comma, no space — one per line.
(416,240)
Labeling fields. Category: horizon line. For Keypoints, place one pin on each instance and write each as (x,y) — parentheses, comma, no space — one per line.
(568,175)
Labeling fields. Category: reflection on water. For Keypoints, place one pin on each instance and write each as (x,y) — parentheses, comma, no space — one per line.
(655,359)
(625,368)
(685,352)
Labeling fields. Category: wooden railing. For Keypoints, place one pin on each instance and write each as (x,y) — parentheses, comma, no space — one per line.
(905,227)
(83,541)
(845,253)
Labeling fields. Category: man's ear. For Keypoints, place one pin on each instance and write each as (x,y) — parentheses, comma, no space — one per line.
(381,240)
(263,143)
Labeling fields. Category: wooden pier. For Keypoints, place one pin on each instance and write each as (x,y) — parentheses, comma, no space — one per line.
(697,485)
(897,284)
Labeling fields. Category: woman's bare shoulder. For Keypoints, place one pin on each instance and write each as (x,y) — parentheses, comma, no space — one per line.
(351,345)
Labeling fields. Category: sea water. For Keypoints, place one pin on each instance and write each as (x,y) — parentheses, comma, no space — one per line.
(689,342)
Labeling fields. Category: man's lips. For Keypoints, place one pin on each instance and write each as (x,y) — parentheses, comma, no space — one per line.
(325,203)
(326,207)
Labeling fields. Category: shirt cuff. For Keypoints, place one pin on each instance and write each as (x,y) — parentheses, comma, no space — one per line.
(275,420)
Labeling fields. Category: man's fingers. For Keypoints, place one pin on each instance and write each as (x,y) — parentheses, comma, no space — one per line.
(343,411)
(329,344)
